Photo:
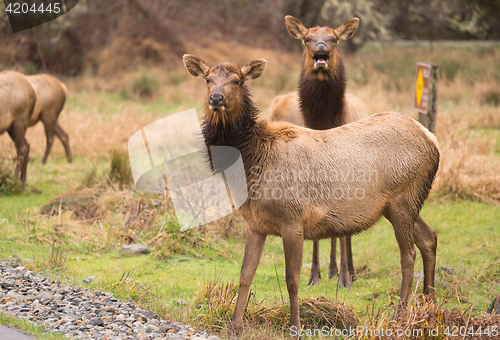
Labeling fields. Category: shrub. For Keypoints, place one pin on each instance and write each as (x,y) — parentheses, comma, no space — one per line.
(145,85)
(9,184)
(492,98)
(120,168)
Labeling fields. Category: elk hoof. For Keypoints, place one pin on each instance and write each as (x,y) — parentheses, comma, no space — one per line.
(313,281)
(345,281)
(236,327)
(333,272)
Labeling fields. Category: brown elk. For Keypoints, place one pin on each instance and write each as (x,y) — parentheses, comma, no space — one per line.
(17,100)
(403,155)
(50,98)
(324,104)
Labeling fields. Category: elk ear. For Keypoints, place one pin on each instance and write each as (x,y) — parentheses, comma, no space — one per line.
(195,65)
(295,27)
(254,69)
(347,29)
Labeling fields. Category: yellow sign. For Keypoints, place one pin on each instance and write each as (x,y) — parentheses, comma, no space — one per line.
(422,87)
(419,87)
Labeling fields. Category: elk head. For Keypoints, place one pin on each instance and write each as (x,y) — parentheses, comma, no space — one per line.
(225,85)
(320,42)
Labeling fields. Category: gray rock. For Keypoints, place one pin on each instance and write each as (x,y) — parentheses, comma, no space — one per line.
(96,322)
(134,249)
(57,297)
(181,302)
(83,313)
(447,270)
(88,279)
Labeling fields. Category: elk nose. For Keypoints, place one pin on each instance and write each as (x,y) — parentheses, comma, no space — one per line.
(216,98)
(321,46)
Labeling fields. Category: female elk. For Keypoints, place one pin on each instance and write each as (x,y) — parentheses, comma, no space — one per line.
(324,104)
(50,98)
(17,99)
(404,155)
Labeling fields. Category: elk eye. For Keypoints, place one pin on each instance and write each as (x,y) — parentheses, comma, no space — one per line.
(207,80)
(236,82)
(306,40)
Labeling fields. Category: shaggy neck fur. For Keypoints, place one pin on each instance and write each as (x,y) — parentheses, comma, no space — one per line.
(241,132)
(322,99)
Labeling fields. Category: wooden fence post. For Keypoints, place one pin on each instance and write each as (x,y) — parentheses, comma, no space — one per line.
(429,119)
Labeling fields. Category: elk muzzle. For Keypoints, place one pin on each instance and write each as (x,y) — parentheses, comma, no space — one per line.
(217,102)
(321,56)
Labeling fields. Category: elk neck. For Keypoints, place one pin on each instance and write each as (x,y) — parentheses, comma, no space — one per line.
(322,96)
(240,132)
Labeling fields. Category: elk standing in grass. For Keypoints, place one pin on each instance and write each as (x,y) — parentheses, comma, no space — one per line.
(50,98)
(324,104)
(17,99)
(403,154)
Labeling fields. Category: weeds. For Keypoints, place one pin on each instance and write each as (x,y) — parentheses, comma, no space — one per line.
(56,261)
(9,184)
(120,172)
(492,98)
(145,85)
(216,301)
(127,288)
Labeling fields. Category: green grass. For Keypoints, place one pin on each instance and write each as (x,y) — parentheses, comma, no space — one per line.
(33,329)
(468,232)
(468,238)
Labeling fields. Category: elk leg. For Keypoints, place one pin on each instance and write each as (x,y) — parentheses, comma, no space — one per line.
(16,132)
(333,270)
(254,245)
(63,137)
(426,241)
(49,133)
(402,220)
(293,242)
(350,264)
(315,267)
(345,278)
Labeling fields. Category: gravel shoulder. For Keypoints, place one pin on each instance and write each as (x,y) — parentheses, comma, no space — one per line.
(82,313)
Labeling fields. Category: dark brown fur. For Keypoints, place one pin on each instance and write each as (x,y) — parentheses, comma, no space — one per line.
(322,101)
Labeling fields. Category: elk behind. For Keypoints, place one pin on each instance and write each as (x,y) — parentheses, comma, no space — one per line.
(50,98)
(323,104)
(403,153)
(17,100)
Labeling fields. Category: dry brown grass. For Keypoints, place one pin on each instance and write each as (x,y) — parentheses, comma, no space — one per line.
(469,167)
(422,319)
(98,120)
(215,302)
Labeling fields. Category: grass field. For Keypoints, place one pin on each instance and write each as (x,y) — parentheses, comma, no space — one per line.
(101,115)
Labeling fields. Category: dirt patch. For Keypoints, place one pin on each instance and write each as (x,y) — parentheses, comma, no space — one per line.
(82,204)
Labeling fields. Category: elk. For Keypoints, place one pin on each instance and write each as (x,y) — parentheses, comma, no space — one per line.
(401,152)
(17,100)
(50,98)
(324,104)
